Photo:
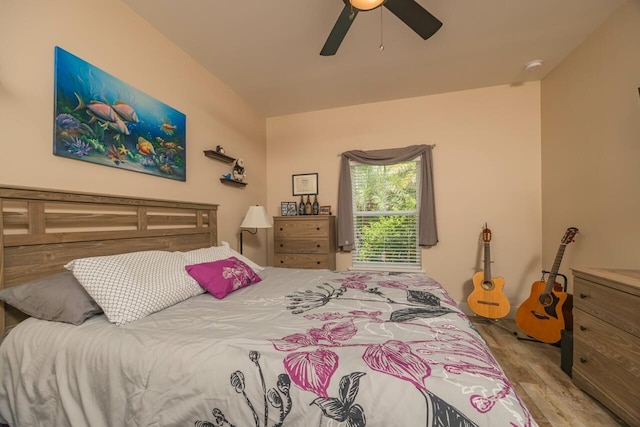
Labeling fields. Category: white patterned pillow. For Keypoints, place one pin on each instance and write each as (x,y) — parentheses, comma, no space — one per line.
(213,253)
(131,286)
(216,253)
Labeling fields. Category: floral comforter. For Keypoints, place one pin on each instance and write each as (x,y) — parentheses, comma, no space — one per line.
(301,348)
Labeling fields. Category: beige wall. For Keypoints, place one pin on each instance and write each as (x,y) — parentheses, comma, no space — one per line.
(110,36)
(591,148)
(486,165)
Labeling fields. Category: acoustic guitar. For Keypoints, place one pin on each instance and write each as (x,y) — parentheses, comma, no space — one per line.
(487,298)
(541,316)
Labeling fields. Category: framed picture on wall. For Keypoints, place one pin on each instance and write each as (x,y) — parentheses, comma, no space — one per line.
(100,119)
(303,184)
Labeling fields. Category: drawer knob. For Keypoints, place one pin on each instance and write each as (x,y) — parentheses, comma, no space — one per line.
(583,328)
(583,296)
(318,228)
(281,245)
(281,262)
(318,262)
(583,360)
(317,246)
(280,228)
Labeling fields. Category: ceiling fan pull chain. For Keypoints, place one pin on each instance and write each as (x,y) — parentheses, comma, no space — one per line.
(381,33)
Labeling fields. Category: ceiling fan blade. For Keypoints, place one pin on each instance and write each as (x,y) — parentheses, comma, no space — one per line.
(339,31)
(415,16)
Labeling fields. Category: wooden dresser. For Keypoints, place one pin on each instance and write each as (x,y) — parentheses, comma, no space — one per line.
(305,241)
(606,338)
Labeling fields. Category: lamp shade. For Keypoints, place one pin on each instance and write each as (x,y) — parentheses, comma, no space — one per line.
(256,217)
(366,4)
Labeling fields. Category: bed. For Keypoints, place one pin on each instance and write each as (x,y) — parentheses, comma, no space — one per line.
(290,347)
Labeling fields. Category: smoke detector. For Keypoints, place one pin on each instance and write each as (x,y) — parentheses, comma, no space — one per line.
(533,65)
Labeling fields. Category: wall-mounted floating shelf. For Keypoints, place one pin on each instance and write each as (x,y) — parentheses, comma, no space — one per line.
(233,182)
(219,156)
(227,159)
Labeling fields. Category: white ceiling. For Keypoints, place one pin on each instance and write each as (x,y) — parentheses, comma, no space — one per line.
(267,51)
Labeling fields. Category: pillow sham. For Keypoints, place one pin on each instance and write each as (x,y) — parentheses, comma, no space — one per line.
(215,253)
(131,286)
(224,276)
(243,258)
(58,298)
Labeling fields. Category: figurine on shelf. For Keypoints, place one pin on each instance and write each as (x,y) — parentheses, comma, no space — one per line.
(238,170)
(219,149)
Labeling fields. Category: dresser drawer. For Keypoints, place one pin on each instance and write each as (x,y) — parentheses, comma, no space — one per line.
(606,338)
(608,382)
(305,242)
(302,246)
(302,261)
(618,346)
(611,305)
(309,228)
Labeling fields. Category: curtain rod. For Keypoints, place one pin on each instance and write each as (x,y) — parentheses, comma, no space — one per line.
(432,146)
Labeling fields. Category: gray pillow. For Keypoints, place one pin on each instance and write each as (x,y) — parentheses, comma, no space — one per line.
(59,298)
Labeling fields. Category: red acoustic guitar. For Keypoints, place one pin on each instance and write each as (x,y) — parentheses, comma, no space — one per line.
(487,298)
(541,315)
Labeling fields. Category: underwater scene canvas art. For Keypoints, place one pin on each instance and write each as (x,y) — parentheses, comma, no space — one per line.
(100,119)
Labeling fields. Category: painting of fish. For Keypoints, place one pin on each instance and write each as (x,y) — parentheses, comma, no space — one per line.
(101,119)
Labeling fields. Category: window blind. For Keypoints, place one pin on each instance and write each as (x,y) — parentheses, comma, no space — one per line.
(385,215)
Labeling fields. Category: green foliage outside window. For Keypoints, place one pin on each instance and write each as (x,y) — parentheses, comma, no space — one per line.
(385,213)
(387,239)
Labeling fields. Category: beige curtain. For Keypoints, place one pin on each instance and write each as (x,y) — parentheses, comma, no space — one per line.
(428,234)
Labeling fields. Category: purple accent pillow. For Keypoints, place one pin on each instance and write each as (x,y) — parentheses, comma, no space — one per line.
(224,276)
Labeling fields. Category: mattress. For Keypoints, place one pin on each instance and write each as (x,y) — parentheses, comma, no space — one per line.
(299,348)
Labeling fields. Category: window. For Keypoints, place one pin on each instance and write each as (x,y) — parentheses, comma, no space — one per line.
(385,215)
(396,176)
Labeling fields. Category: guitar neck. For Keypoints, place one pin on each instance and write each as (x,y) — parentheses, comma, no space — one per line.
(551,281)
(487,262)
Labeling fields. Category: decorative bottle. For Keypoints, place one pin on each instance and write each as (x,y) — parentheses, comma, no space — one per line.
(307,206)
(301,207)
(315,208)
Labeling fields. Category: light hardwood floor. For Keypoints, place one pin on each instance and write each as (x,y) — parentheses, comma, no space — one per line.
(534,369)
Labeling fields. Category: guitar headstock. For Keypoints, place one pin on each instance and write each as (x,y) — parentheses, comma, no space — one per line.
(486,234)
(569,235)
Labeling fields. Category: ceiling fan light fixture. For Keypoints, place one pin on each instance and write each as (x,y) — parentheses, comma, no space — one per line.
(410,12)
(366,4)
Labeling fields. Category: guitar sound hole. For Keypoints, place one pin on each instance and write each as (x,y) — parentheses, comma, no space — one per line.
(487,285)
(545,299)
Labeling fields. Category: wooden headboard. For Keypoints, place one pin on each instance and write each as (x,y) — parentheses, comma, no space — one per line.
(41,230)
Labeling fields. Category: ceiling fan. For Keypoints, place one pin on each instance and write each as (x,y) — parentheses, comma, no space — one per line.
(409,12)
